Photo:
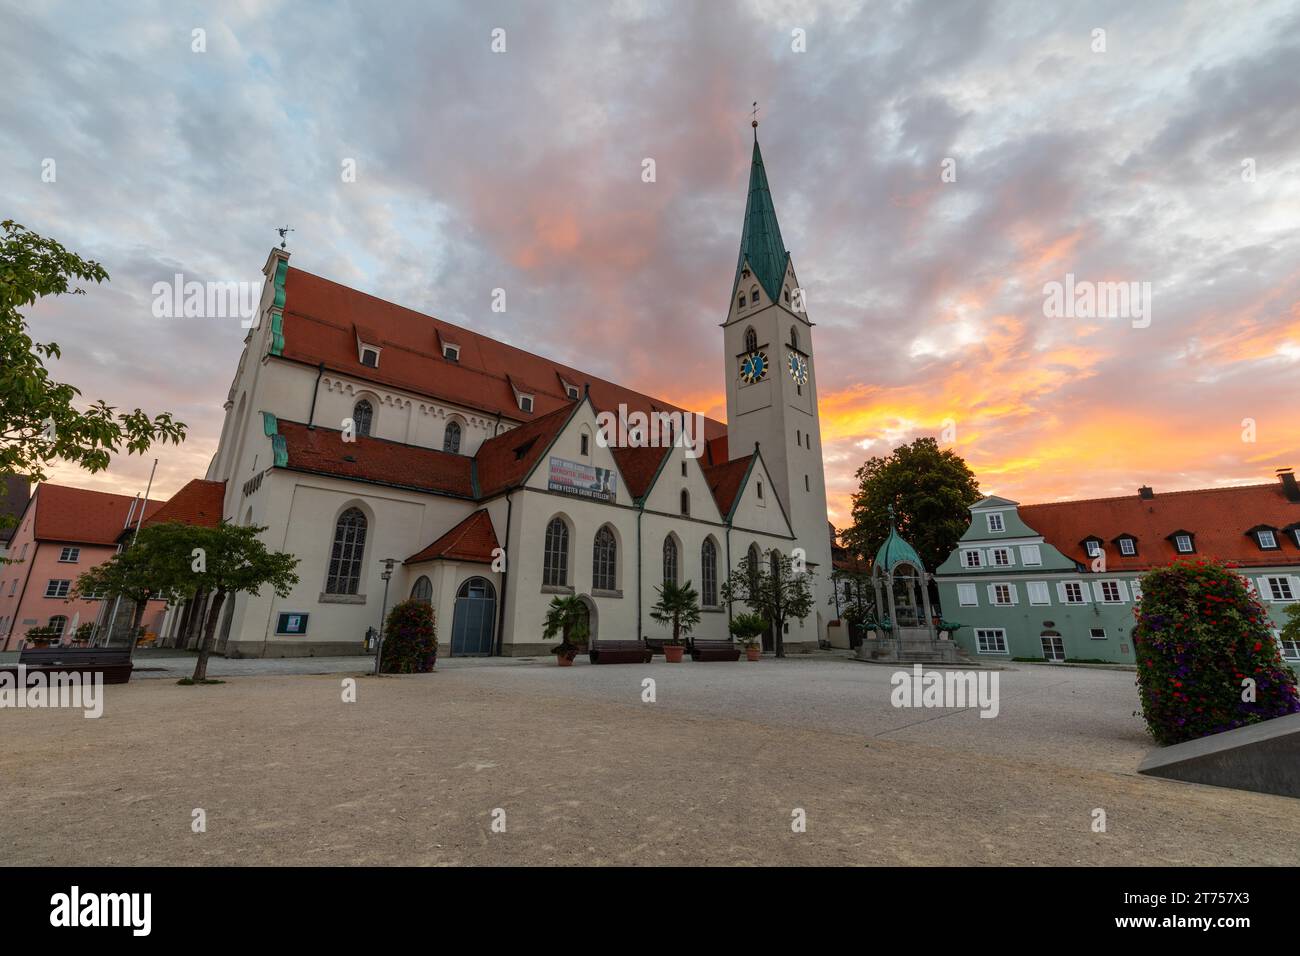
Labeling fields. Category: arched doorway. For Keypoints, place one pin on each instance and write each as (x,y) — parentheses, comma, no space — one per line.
(473,620)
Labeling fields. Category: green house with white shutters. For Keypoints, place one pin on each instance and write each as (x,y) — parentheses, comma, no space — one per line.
(1059,581)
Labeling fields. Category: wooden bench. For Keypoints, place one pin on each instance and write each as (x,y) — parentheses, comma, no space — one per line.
(113,662)
(714,651)
(618,652)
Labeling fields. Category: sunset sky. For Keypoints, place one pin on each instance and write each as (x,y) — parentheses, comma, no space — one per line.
(1171,158)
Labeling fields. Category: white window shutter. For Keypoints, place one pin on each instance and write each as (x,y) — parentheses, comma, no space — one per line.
(1015,595)
(1096,590)
(993,594)
(1295,587)
(1060,592)
(1265,592)
(1123,590)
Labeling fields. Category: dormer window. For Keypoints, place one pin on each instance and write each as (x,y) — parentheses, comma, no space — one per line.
(1184,542)
(369,356)
(526,403)
(994,521)
(451,353)
(1093,547)
(1127,546)
(1295,533)
(572,391)
(1267,540)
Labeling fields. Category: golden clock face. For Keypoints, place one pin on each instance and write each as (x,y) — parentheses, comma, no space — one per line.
(753,367)
(798,366)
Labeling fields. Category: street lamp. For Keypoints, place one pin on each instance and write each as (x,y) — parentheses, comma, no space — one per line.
(387,576)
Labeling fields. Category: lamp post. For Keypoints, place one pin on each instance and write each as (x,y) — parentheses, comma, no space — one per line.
(387,576)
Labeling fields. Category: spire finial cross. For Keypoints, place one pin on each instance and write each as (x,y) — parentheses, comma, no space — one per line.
(754,122)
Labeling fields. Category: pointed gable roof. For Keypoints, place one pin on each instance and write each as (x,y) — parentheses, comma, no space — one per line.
(473,539)
(199,503)
(505,460)
(726,480)
(760,240)
(82,516)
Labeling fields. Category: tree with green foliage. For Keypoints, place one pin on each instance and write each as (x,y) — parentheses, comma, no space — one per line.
(228,560)
(677,609)
(38,423)
(410,639)
(747,627)
(568,617)
(931,490)
(153,567)
(772,588)
(1206,657)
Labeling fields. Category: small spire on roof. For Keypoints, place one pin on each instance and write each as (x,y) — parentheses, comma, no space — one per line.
(754,122)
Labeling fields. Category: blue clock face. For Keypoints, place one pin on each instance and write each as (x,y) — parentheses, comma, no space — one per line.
(798,368)
(753,367)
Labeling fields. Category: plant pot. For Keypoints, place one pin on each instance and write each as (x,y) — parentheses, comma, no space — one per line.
(673,653)
(753,653)
(563,660)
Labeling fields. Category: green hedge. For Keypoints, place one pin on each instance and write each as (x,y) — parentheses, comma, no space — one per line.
(1200,635)
(410,639)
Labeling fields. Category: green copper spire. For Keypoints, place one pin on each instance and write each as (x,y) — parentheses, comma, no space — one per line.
(760,242)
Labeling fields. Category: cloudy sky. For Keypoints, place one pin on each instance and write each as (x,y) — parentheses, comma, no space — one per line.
(1170,157)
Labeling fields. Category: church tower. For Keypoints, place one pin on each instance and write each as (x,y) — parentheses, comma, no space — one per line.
(771,379)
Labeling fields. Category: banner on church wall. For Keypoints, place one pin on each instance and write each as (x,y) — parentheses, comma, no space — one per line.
(582,480)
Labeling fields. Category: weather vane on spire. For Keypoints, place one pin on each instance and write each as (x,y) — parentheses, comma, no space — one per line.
(284,231)
(754,122)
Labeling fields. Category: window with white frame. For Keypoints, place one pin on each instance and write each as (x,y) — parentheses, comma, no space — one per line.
(1001,557)
(369,357)
(1111,593)
(1038,593)
(1094,549)
(1127,546)
(69,555)
(990,640)
(1030,555)
(1183,543)
(1279,589)
(525,403)
(451,353)
(1267,540)
(971,559)
(1002,594)
(968,595)
(57,588)
(1295,534)
(1097,633)
(1290,648)
(1071,592)
(994,520)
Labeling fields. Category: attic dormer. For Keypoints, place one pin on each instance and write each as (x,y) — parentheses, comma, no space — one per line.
(1266,536)
(1184,541)
(368,347)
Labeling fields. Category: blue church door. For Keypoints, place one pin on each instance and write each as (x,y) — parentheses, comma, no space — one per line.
(474,618)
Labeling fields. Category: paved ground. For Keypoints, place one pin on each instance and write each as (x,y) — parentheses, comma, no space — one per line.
(586,772)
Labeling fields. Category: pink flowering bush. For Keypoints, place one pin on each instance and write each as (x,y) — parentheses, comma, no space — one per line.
(1200,634)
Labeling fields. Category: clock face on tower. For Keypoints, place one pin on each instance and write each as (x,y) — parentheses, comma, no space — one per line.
(798,368)
(753,367)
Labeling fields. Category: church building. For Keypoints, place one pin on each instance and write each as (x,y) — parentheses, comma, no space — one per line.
(392,452)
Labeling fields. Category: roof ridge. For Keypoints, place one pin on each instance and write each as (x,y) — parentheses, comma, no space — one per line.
(1163,494)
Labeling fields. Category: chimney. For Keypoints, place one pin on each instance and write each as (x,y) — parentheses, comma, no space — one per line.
(1146,493)
(1289,486)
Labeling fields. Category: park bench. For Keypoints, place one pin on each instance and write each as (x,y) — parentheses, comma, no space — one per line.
(618,652)
(113,662)
(714,651)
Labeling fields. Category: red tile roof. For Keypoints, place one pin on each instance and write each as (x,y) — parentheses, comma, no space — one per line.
(504,461)
(82,516)
(638,466)
(323,451)
(320,319)
(473,539)
(198,503)
(724,481)
(1218,518)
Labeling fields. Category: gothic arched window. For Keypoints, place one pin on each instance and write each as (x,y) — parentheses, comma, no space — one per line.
(709,573)
(753,295)
(349,549)
(751,340)
(555,555)
(604,561)
(670,560)
(794,337)
(363,414)
(451,438)
(686,502)
(423,590)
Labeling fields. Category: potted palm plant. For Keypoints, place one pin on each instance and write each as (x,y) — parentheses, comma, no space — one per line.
(746,628)
(567,616)
(678,609)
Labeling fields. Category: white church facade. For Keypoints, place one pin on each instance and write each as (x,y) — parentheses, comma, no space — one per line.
(365,436)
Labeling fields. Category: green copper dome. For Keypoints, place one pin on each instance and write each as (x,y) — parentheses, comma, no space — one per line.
(896,551)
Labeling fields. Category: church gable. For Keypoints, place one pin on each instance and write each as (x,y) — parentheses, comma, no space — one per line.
(682,488)
(756,506)
(574,462)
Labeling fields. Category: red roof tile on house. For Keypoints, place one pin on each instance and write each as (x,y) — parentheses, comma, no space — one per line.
(725,480)
(198,503)
(83,516)
(638,466)
(320,319)
(505,460)
(473,539)
(323,451)
(1218,518)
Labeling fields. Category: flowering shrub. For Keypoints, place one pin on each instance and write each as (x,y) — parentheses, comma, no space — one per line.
(1200,634)
(410,639)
